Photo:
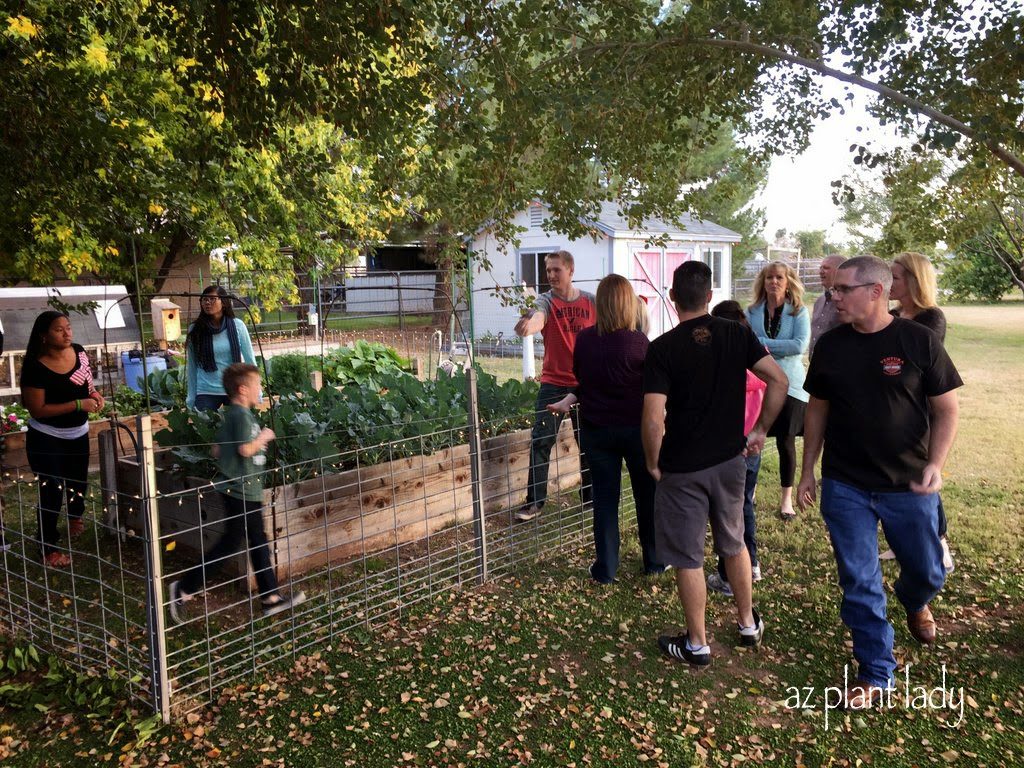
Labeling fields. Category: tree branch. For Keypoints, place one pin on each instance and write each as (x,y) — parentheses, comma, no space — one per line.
(767,51)
(882,90)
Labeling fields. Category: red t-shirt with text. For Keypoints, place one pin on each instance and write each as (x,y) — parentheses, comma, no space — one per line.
(564,319)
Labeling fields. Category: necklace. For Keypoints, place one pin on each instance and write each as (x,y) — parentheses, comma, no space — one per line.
(773,320)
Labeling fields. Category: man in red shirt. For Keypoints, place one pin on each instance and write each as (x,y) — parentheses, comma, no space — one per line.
(558,315)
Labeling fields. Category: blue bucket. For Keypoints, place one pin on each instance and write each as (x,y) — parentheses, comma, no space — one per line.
(133,368)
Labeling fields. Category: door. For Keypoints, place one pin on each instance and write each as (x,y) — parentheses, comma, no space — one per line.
(652,279)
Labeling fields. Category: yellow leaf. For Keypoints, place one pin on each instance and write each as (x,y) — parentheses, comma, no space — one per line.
(171,545)
(21,26)
(216,118)
(156,209)
(96,54)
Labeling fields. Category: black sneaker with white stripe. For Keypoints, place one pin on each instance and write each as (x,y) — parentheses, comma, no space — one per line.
(750,637)
(678,647)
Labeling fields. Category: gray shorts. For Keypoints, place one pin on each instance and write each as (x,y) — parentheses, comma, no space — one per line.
(683,504)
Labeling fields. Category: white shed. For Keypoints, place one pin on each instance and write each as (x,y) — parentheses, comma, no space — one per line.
(616,248)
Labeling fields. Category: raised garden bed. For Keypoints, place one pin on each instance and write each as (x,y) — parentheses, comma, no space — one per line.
(335,517)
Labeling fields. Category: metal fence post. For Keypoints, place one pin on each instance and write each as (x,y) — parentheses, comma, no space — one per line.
(154,570)
(401,310)
(476,475)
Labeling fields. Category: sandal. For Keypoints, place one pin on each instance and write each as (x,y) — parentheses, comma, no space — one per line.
(76,527)
(57,560)
(783,514)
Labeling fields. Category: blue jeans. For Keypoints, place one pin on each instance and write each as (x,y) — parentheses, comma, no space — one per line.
(542,439)
(911,525)
(753,463)
(606,448)
(211,402)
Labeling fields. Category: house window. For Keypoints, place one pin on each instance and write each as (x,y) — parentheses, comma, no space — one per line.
(532,271)
(713,258)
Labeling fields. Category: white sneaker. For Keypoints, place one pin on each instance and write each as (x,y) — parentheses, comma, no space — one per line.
(527,513)
(947,556)
(718,584)
(755,572)
(283,604)
(887,555)
(176,605)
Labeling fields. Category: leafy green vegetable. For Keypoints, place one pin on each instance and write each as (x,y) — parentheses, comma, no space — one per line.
(402,417)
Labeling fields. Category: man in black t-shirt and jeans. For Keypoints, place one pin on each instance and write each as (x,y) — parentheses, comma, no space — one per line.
(695,379)
(883,402)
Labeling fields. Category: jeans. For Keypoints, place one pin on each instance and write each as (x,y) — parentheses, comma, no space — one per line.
(606,448)
(62,467)
(542,438)
(910,522)
(753,463)
(243,520)
(211,402)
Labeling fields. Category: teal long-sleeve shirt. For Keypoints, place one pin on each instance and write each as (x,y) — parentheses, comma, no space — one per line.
(202,382)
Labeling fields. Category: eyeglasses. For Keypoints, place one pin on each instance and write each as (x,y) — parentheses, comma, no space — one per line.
(209,299)
(842,290)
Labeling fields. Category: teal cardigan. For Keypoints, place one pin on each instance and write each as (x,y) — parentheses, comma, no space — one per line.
(789,346)
(202,382)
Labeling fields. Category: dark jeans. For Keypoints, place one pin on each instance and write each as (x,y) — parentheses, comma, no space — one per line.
(243,520)
(210,402)
(606,448)
(749,522)
(61,467)
(542,438)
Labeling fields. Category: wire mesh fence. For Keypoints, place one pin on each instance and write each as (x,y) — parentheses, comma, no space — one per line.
(96,613)
(364,535)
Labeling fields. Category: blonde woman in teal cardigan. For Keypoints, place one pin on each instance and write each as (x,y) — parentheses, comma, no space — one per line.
(781,322)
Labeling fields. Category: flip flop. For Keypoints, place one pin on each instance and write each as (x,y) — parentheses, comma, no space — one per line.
(786,515)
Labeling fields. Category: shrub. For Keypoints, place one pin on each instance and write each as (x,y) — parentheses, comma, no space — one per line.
(290,373)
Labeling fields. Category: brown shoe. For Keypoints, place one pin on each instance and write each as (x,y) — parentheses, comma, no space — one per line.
(862,695)
(922,626)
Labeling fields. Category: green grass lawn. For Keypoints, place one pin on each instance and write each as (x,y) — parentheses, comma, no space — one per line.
(549,669)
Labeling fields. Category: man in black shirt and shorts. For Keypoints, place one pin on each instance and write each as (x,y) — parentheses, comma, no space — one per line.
(884,404)
(695,380)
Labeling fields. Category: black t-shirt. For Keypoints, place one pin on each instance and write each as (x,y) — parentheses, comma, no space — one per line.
(76,384)
(701,365)
(877,386)
(932,318)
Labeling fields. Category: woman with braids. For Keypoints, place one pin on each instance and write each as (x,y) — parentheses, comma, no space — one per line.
(781,322)
(57,389)
(915,291)
(216,340)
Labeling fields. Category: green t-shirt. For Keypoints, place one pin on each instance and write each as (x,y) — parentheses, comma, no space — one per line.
(240,476)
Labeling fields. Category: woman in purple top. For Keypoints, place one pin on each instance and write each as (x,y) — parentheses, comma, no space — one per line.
(609,363)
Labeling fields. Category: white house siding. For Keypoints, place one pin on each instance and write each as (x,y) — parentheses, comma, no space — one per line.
(594,259)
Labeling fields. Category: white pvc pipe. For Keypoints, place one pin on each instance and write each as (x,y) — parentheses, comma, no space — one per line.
(529,364)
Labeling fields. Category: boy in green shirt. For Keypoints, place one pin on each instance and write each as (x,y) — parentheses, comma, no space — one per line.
(241,451)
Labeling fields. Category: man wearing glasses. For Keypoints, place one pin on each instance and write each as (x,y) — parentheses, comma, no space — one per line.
(884,405)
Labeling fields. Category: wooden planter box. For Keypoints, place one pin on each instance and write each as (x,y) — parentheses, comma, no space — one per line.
(14,457)
(340,516)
